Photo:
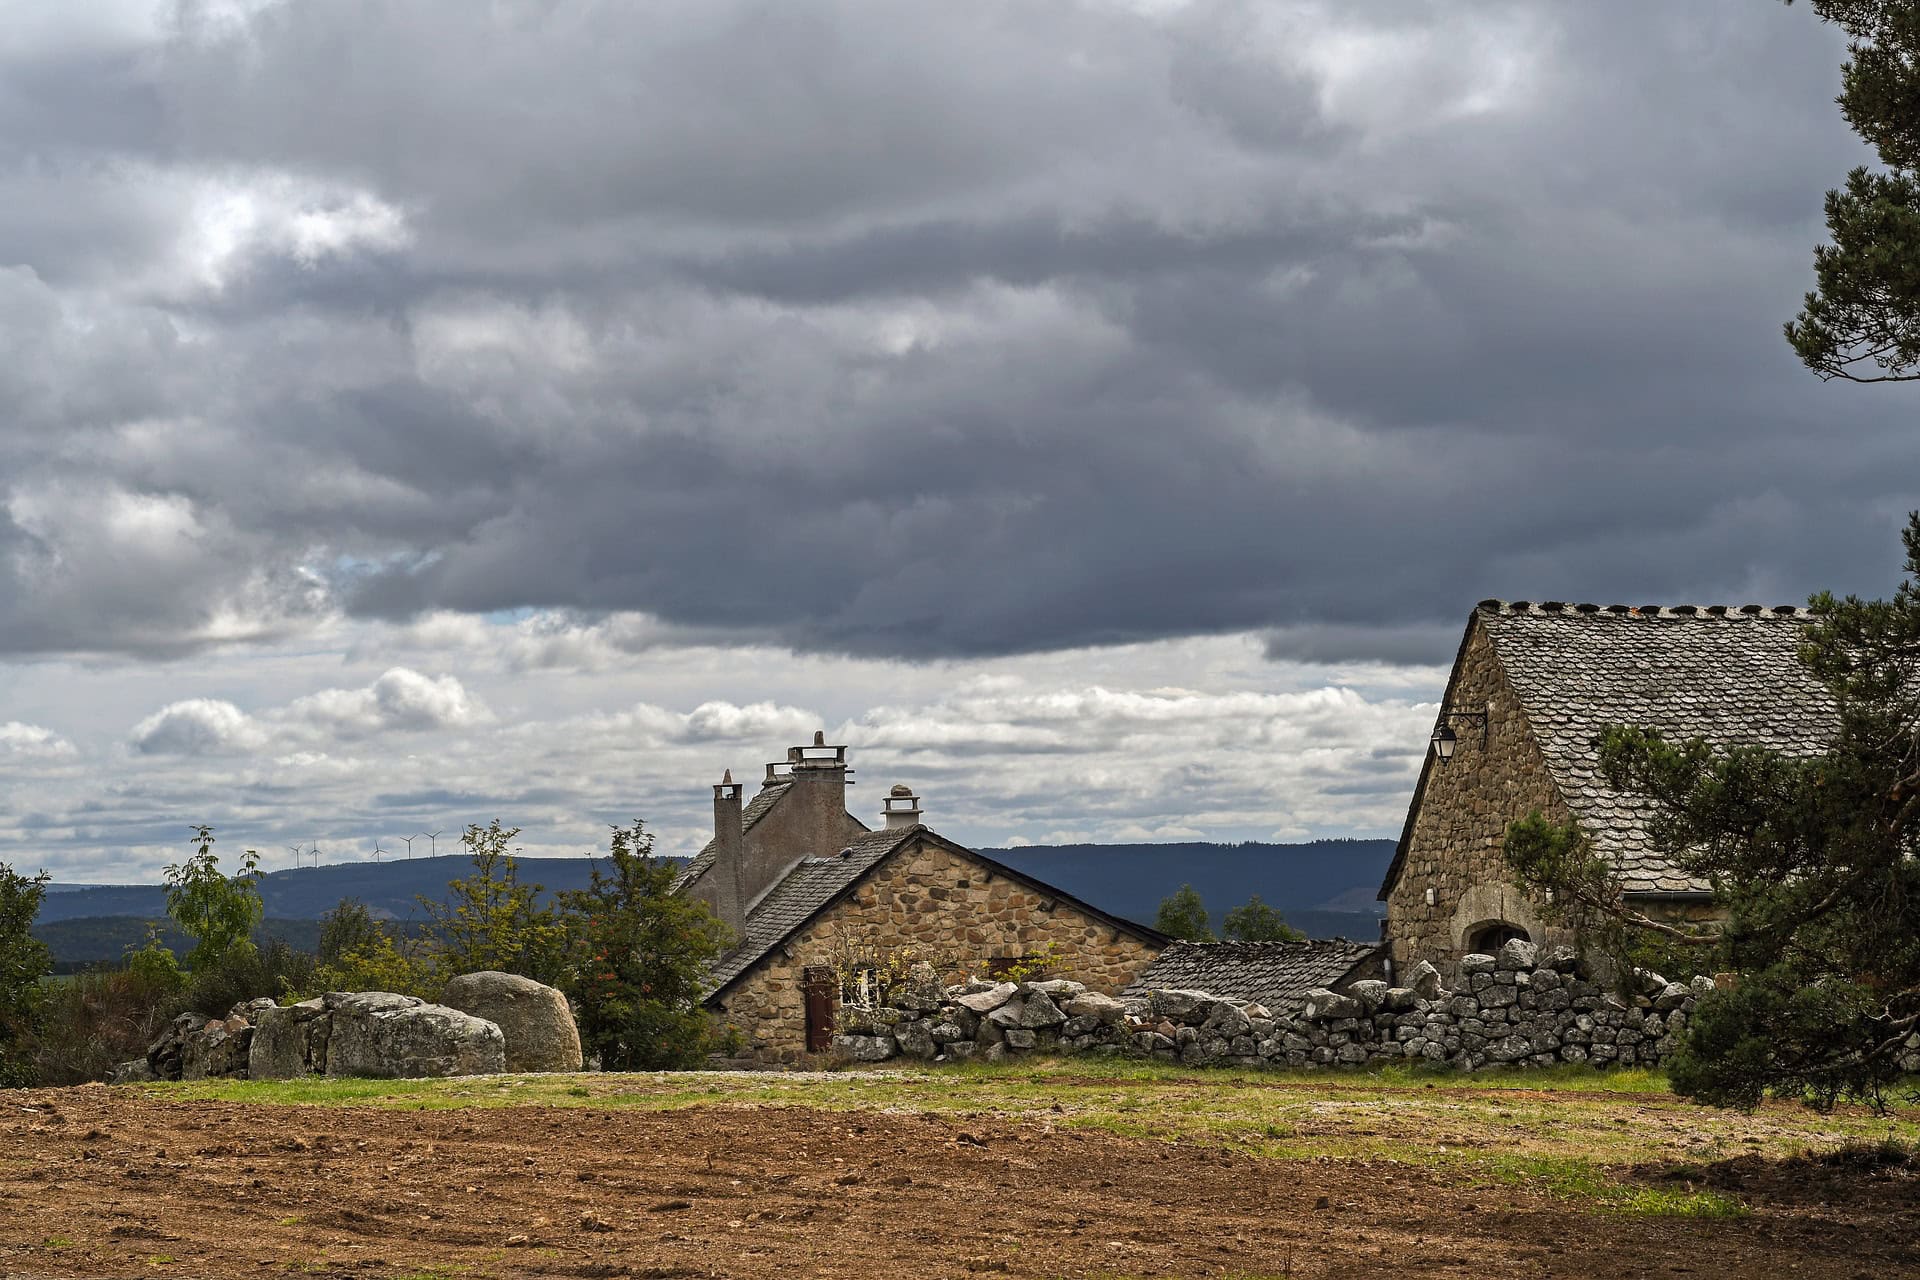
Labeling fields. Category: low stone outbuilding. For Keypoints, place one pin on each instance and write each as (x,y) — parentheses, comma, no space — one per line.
(812,895)
(1277,975)
(1532,688)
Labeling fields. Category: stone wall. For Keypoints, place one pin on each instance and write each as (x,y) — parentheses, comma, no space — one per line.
(953,910)
(1520,1008)
(1465,808)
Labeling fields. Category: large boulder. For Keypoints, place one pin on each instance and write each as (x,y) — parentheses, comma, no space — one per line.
(384,1035)
(533,1017)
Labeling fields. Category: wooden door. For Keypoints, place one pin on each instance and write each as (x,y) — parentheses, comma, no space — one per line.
(821,990)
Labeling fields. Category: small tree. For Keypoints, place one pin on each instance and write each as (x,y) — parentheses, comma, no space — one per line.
(24,963)
(493,920)
(1258,922)
(642,957)
(218,912)
(348,927)
(1183,915)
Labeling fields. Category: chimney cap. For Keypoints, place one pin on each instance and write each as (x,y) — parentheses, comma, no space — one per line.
(901,789)
(819,737)
(727,777)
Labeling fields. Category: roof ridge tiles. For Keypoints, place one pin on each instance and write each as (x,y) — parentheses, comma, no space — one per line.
(1716,612)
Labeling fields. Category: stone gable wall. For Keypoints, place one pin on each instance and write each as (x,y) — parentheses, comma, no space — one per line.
(1464,813)
(947,906)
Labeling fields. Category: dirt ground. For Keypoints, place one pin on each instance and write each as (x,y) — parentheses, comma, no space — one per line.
(97,1182)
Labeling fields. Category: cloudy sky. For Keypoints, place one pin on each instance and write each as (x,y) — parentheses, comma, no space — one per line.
(1102,415)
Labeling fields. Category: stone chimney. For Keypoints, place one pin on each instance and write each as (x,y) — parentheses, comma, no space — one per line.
(728,890)
(901,808)
(817,800)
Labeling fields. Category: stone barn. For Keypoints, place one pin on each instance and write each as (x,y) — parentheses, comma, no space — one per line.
(812,894)
(1532,687)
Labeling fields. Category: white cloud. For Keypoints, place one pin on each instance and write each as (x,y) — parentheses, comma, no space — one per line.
(399,701)
(198,727)
(32,742)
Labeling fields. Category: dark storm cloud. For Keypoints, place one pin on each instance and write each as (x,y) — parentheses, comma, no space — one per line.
(929,329)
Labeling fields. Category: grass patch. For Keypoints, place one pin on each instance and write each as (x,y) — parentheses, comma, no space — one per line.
(1571,1133)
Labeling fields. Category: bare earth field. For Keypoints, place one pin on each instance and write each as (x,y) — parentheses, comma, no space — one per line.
(1041,1171)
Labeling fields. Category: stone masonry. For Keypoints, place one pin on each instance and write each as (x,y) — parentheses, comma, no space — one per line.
(950,909)
(1519,1008)
(1465,808)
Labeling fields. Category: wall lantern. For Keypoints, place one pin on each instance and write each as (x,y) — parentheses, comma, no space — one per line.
(1445,739)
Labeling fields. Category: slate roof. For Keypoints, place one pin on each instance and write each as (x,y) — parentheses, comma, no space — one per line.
(1730,675)
(754,810)
(801,893)
(1276,974)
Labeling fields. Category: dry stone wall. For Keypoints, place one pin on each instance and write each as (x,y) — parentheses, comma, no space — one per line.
(1519,1008)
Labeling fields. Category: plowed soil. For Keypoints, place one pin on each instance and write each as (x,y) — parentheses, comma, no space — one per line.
(99,1182)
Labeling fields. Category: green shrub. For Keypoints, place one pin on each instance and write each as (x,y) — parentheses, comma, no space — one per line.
(642,955)
(378,964)
(24,962)
(248,973)
(96,1020)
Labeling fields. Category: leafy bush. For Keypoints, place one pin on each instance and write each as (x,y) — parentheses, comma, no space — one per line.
(248,973)
(378,964)
(24,963)
(94,1021)
(642,958)
(348,927)
(491,920)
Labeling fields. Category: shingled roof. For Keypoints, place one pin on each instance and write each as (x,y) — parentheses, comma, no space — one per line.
(1729,674)
(1275,974)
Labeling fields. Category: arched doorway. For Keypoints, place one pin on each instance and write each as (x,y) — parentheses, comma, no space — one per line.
(1489,938)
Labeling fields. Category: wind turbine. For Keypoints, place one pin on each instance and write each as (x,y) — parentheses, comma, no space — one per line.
(296,853)
(433,841)
(377,851)
(315,851)
(408,841)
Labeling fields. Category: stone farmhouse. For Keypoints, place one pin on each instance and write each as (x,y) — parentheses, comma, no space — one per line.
(1532,687)
(807,888)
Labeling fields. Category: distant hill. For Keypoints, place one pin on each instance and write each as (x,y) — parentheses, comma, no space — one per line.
(388,888)
(1324,888)
(95,940)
